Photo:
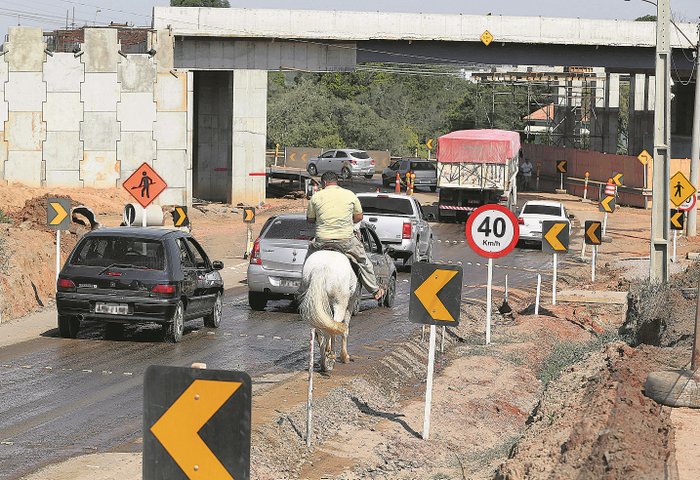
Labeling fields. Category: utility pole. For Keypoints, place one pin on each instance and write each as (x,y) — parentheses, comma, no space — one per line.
(660,214)
(695,147)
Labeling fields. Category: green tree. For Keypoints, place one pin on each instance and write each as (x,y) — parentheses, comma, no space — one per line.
(646,18)
(200,3)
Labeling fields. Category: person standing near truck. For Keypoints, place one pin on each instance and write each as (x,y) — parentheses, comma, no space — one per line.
(526,169)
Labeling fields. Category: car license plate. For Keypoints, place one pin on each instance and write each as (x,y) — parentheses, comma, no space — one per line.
(112,308)
(290,283)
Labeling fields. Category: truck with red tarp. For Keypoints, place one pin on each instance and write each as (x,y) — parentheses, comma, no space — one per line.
(475,168)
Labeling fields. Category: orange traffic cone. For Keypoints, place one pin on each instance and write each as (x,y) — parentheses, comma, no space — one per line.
(397,188)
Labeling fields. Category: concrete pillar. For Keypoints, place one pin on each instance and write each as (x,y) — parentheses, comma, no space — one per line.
(610,113)
(641,120)
(249,135)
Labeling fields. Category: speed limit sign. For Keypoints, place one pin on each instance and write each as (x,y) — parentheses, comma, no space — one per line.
(492,231)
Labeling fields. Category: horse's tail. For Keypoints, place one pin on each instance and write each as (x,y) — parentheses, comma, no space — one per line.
(316,309)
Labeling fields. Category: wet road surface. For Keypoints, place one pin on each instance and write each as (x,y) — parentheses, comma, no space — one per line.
(65,397)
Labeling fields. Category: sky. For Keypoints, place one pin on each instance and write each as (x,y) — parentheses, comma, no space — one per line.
(51,14)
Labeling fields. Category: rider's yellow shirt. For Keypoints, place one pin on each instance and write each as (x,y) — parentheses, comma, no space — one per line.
(333,208)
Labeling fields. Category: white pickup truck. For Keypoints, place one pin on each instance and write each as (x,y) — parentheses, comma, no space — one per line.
(400,225)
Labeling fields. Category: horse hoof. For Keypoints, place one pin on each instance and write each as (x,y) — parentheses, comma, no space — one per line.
(346,359)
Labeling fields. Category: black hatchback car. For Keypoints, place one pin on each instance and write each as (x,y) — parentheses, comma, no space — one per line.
(132,275)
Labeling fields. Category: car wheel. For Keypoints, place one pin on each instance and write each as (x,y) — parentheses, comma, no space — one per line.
(312,170)
(369,177)
(68,326)
(257,300)
(175,329)
(356,300)
(429,254)
(213,319)
(433,189)
(345,173)
(114,331)
(390,295)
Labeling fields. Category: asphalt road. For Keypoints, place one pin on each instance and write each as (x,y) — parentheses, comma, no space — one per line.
(65,397)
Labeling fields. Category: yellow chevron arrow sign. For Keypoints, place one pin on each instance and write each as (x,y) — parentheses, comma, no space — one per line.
(177,430)
(677,219)
(592,233)
(617,179)
(61,213)
(552,237)
(181,219)
(248,215)
(427,294)
(608,204)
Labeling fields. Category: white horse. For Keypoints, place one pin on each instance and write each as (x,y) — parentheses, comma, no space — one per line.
(328,283)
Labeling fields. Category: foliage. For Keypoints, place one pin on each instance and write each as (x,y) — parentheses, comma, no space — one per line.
(379,107)
(646,18)
(4,218)
(565,354)
(623,117)
(200,3)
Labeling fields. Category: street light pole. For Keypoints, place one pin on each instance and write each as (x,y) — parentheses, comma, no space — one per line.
(660,214)
(695,147)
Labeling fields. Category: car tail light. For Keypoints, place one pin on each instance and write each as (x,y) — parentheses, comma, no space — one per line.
(354,162)
(503,198)
(372,162)
(255,254)
(521,221)
(65,285)
(406,233)
(163,289)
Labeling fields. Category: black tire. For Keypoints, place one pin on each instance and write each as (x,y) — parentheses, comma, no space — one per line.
(213,318)
(429,254)
(390,295)
(369,177)
(345,173)
(176,328)
(257,301)
(68,326)
(312,170)
(114,331)
(356,300)
(433,189)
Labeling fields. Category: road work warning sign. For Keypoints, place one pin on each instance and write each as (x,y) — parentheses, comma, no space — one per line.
(145,185)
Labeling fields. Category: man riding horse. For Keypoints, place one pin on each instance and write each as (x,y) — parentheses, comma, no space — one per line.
(334,210)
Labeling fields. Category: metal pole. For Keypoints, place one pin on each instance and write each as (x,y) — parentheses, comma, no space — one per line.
(593,260)
(442,341)
(554,279)
(605,222)
(144,218)
(660,215)
(429,385)
(489,283)
(506,293)
(309,399)
(695,146)
(585,187)
(675,241)
(583,250)
(537,296)
(58,254)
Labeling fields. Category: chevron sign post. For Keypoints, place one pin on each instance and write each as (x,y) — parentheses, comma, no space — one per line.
(555,239)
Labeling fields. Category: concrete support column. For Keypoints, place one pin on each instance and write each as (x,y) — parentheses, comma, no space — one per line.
(249,135)
(641,119)
(611,113)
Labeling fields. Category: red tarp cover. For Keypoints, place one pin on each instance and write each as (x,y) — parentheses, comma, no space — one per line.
(478,146)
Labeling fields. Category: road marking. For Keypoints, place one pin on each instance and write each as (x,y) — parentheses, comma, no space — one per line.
(277,338)
(87,371)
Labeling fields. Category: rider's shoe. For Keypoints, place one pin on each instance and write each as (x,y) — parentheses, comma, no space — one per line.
(379,294)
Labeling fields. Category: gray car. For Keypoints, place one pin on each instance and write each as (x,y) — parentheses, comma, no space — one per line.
(425,170)
(346,162)
(277,260)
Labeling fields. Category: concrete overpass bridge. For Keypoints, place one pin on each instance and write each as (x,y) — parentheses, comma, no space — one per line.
(231,48)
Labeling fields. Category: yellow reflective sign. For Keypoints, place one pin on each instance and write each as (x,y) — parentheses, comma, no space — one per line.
(486,38)
(427,294)
(644,157)
(681,189)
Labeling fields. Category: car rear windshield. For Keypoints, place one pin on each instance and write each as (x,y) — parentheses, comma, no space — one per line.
(105,251)
(290,229)
(542,210)
(422,166)
(360,155)
(386,205)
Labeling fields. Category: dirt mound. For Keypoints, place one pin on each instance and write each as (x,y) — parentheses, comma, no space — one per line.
(595,422)
(33,214)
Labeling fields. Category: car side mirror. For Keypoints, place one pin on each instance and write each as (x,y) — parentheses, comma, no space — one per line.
(430,217)
(217,265)
(571,216)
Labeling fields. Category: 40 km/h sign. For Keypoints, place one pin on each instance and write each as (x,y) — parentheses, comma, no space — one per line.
(492,231)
